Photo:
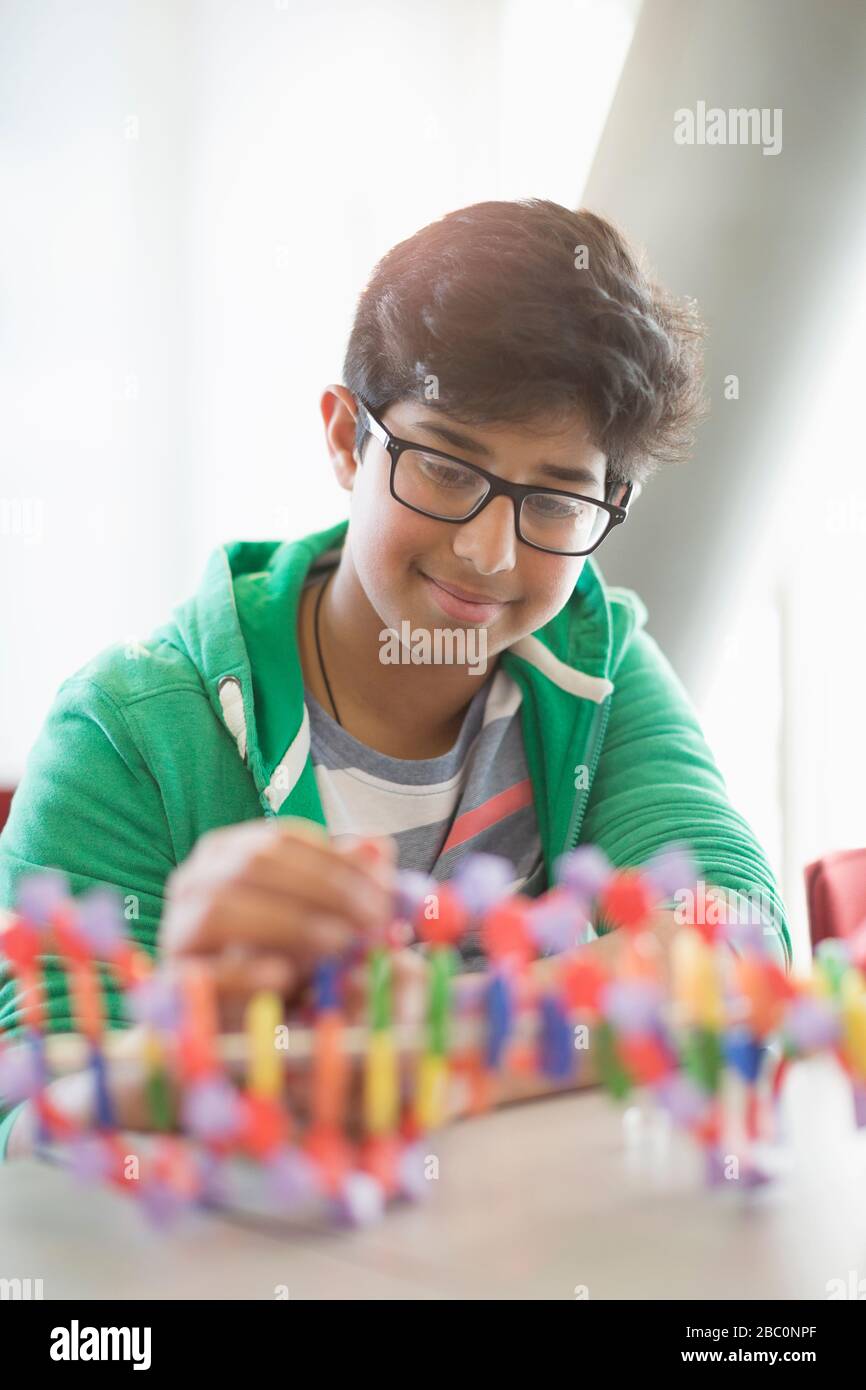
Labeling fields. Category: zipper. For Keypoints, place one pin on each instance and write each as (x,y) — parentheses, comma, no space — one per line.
(597,732)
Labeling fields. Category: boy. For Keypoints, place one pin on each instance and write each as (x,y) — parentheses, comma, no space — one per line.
(511,375)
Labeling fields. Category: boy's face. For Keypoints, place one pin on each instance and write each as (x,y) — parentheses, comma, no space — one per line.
(402,559)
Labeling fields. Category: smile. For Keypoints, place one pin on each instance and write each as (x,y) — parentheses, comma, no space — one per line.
(458,604)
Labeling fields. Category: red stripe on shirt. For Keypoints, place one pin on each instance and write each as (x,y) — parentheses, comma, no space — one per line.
(488,813)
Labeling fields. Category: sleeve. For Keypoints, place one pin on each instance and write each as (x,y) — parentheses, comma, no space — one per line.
(87,805)
(657,782)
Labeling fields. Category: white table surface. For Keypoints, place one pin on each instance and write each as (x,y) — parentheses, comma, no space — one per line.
(532,1201)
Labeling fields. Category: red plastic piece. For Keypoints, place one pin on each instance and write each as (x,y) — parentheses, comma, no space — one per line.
(627,900)
(265,1126)
(709,1129)
(20,944)
(582,983)
(379,1157)
(505,933)
(174,1164)
(450,923)
(70,941)
(332,1155)
(644,1058)
(766,988)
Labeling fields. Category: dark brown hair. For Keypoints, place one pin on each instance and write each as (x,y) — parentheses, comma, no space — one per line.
(488,302)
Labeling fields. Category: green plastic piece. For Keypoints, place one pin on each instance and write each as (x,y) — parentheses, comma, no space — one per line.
(439,999)
(704,1059)
(380,990)
(611,1072)
(159,1100)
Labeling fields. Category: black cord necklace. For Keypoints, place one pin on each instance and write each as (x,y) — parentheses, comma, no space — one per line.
(319,598)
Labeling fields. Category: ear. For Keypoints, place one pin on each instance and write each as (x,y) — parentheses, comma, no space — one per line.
(339,412)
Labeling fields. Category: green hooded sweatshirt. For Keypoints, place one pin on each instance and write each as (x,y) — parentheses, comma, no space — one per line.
(149,746)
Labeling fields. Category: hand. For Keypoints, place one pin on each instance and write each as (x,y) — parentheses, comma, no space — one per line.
(264,900)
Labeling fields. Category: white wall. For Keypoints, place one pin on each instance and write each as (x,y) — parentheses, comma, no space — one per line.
(747,604)
(193,193)
(92,344)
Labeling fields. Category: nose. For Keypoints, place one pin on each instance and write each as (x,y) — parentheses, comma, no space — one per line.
(489,540)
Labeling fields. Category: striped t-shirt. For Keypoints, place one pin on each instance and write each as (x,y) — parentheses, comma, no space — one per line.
(476,797)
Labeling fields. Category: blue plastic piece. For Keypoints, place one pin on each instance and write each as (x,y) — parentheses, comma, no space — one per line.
(326,991)
(556,1040)
(499,1008)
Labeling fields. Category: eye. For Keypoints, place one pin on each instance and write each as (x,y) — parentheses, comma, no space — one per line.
(447,475)
(551,507)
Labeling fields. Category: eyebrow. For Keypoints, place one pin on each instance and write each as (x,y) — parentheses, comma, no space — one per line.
(561,472)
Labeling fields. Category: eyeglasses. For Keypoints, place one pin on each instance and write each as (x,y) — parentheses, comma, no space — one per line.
(449,489)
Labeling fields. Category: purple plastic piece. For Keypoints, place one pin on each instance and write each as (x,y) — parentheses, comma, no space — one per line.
(754,1176)
(20,1073)
(682,1098)
(714,1168)
(40,894)
(747,937)
(412,1180)
(100,920)
(89,1158)
(558,924)
(671,871)
(156,1001)
(811,1024)
(411,890)
(482,880)
(162,1204)
(584,871)
(859,1094)
(632,1006)
(361,1201)
(292,1178)
(214,1179)
(212,1109)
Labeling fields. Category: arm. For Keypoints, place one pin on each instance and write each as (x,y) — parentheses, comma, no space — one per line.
(509,1089)
(657,782)
(87,805)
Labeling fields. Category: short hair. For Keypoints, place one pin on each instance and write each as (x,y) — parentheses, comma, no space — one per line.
(520,312)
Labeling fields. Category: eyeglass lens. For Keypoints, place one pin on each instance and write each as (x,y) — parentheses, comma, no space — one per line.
(446,490)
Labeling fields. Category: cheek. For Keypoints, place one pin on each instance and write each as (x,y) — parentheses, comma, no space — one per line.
(548,583)
(385,540)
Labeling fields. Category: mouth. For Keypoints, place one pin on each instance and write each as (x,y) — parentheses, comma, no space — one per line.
(461,604)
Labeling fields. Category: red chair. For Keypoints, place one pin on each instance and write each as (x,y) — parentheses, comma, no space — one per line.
(6,794)
(836,894)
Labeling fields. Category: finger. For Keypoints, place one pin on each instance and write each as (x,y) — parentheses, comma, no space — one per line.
(323,879)
(221,853)
(263,921)
(243,973)
(294,858)
(224,850)
(374,850)
(378,854)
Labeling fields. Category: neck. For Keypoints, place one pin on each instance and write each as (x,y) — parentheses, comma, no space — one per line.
(416,708)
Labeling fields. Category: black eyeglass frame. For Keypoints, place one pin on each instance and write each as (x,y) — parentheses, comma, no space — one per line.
(518,492)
